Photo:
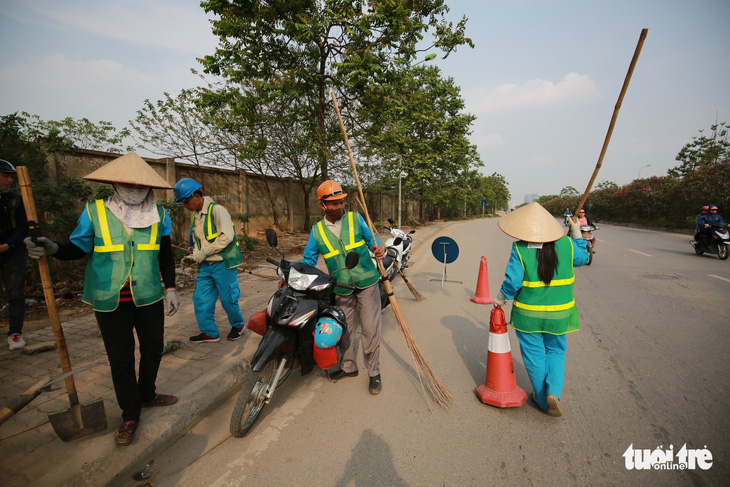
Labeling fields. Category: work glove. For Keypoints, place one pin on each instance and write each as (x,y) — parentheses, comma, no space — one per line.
(575,230)
(172,302)
(43,246)
(500,299)
(199,256)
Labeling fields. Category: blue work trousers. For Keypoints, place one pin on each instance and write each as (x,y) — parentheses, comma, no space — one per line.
(544,357)
(215,280)
(12,268)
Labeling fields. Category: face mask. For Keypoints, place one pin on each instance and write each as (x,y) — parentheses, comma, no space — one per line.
(131,196)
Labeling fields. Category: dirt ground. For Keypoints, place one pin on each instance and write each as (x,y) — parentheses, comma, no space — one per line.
(68,292)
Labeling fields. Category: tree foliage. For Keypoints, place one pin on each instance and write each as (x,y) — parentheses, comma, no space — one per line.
(175,126)
(70,133)
(304,49)
(704,151)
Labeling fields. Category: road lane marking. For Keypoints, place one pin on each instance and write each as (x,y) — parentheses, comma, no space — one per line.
(641,253)
(718,277)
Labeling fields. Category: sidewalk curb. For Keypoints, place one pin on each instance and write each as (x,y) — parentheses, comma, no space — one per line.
(159,428)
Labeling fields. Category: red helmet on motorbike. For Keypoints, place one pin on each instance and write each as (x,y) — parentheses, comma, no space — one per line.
(705,209)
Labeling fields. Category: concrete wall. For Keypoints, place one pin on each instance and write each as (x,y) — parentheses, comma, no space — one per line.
(238,191)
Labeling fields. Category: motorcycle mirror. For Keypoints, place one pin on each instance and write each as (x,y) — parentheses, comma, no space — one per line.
(391,221)
(412,231)
(352,260)
(271,237)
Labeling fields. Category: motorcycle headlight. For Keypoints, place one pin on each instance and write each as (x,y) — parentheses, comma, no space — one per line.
(299,281)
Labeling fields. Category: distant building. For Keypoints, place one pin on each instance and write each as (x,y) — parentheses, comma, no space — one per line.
(529,198)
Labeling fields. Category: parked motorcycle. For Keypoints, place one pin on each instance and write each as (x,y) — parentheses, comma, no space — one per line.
(717,242)
(401,243)
(587,233)
(291,317)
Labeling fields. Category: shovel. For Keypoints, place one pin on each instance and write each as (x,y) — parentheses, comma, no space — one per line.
(33,392)
(80,419)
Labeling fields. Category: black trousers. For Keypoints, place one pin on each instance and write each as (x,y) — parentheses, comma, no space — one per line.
(117,329)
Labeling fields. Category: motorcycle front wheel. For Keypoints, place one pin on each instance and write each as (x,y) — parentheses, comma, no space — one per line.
(589,247)
(251,399)
(722,251)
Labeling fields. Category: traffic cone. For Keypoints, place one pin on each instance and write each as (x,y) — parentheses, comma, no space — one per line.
(482,296)
(500,389)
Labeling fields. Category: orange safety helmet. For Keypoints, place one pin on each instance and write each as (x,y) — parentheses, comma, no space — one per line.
(330,191)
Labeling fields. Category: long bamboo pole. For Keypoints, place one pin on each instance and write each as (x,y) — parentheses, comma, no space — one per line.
(30,211)
(433,385)
(625,87)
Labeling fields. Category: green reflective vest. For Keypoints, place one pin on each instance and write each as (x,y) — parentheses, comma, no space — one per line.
(232,253)
(334,250)
(118,257)
(539,308)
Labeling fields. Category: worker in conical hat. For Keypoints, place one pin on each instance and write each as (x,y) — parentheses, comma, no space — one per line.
(128,227)
(539,277)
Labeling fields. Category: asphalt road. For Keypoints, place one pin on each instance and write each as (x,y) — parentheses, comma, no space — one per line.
(648,369)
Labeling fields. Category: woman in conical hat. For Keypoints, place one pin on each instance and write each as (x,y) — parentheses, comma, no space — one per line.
(128,227)
(539,277)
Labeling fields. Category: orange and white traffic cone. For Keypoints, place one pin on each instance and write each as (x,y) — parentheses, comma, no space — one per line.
(500,389)
(482,296)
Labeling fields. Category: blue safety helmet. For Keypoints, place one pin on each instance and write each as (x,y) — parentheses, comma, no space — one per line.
(327,332)
(335,313)
(5,166)
(184,189)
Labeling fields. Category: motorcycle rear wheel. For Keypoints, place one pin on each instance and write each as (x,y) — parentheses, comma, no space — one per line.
(251,399)
(589,247)
(722,252)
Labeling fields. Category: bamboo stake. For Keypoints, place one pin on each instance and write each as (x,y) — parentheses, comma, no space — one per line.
(625,87)
(433,385)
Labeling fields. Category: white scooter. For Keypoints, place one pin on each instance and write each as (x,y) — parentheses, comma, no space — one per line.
(400,242)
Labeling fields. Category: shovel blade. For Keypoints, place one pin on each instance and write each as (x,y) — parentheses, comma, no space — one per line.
(79,420)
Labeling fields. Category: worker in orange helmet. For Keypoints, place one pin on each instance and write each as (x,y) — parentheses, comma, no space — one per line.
(336,234)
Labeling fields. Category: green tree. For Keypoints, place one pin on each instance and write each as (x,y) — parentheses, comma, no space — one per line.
(305,49)
(176,127)
(417,123)
(568,191)
(704,151)
(606,185)
(70,133)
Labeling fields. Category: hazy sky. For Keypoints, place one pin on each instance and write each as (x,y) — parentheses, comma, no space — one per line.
(543,78)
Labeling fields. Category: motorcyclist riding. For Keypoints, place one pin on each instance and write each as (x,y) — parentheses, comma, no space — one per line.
(705,223)
(583,220)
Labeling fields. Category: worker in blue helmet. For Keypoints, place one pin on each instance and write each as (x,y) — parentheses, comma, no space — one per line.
(217,252)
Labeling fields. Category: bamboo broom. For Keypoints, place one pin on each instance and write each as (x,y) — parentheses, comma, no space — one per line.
(625,87)
(433,385)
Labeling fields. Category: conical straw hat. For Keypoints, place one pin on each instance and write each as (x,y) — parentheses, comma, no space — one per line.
(130,169)
(531,223)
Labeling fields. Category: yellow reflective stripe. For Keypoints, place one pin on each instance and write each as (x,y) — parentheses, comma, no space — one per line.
(210,236)
(106,237)
(353,244)
(152,245)
(554,282)
(332,252)
(533,307)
